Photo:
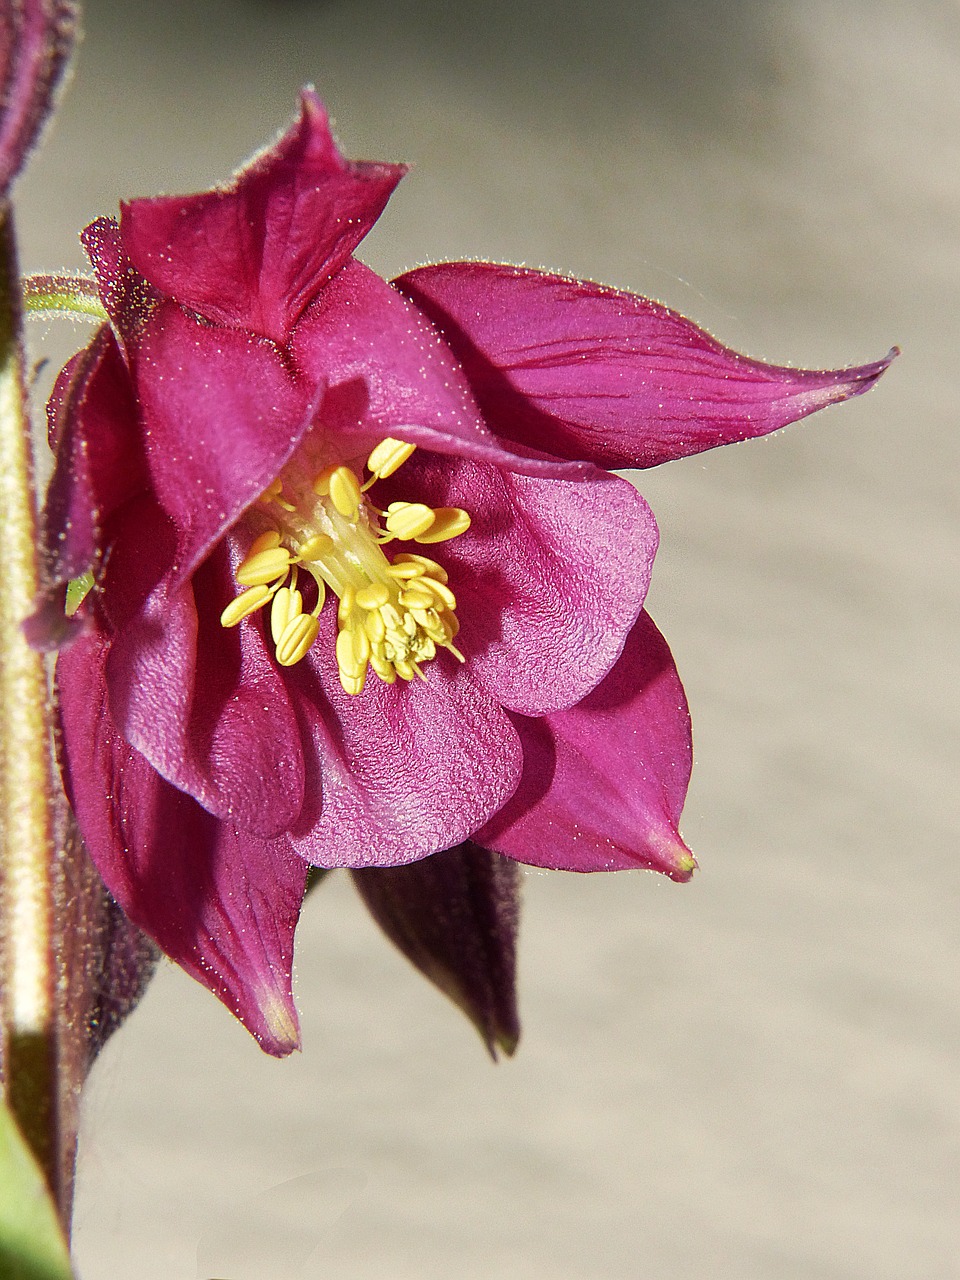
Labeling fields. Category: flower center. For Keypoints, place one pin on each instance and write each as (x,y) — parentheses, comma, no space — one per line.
(392,614)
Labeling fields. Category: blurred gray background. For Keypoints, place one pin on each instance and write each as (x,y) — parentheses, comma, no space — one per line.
(753,1076)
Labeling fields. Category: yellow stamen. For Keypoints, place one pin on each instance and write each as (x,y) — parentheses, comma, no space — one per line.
(408,519)
(264,566)
(410,560)
(320,544)
(388,456)
(391,617)
(441,591)
(374,596)
(297,638)
(343,488)
(447,523)
(247,602)
(287,605)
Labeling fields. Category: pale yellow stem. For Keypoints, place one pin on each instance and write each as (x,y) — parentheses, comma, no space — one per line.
(26,827)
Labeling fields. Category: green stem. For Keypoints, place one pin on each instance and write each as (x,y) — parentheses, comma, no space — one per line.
(63,296)
(29,983)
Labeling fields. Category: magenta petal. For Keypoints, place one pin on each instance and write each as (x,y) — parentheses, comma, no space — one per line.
(255,253)
(36,39)
(128,298)
(221,415)
(208,708)
(401,770)
(549,578)
(584,371)
(223,905)
(99,466)
(389,374)
(604,782)
(455,917)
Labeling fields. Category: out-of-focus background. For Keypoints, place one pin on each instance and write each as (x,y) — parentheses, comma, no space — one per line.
(753,1076)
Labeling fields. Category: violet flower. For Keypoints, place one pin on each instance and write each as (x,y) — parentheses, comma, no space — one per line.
(365,589)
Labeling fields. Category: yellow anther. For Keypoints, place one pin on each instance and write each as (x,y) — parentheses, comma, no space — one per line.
(265,542)
(345,607)
(295,642)
(410,559)
(319,545)
(416,598)
(450,624)
(408,519)
(345,492)
(392,617)
(384,668)
(353,684)
(448,522)
(373,596)
(287,605)
(429,621)
(426,649)
(247,602)
(264,566)
(388,456)
(441,591)
(353,651)
(404,571)
(342,487)
(375,627)
(405,670)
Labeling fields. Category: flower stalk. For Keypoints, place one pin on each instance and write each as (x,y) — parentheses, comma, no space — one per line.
(27,878)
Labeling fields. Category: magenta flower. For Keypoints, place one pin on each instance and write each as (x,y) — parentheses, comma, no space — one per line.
(365,590)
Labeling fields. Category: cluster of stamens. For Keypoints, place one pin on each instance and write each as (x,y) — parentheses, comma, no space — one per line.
(392,615)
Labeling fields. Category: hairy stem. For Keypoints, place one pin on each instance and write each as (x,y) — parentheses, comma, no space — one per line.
(27,875)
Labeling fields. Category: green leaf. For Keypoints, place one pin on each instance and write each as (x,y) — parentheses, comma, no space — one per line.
(32,1246)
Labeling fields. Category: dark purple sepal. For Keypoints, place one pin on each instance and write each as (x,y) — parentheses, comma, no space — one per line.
(455,917)
(36,39)
(584,371)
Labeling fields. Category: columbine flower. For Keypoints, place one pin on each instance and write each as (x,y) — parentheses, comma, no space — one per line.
(364,588)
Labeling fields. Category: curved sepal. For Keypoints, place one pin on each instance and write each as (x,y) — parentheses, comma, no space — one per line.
(584,371)
(455,917)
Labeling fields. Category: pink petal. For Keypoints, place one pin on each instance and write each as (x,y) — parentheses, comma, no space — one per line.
(221,904)
(455,917)
(36,40)
(584,371)
(549,578)
(128,298)
(99,466)
(398,771)
(388,373)
(604,782)
(207,707)
(255,253)
(221,415)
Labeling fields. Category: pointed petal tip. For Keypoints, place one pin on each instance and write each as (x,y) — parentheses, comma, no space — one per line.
(278,1029)
(676,860)
(507,1042)
(861,378)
